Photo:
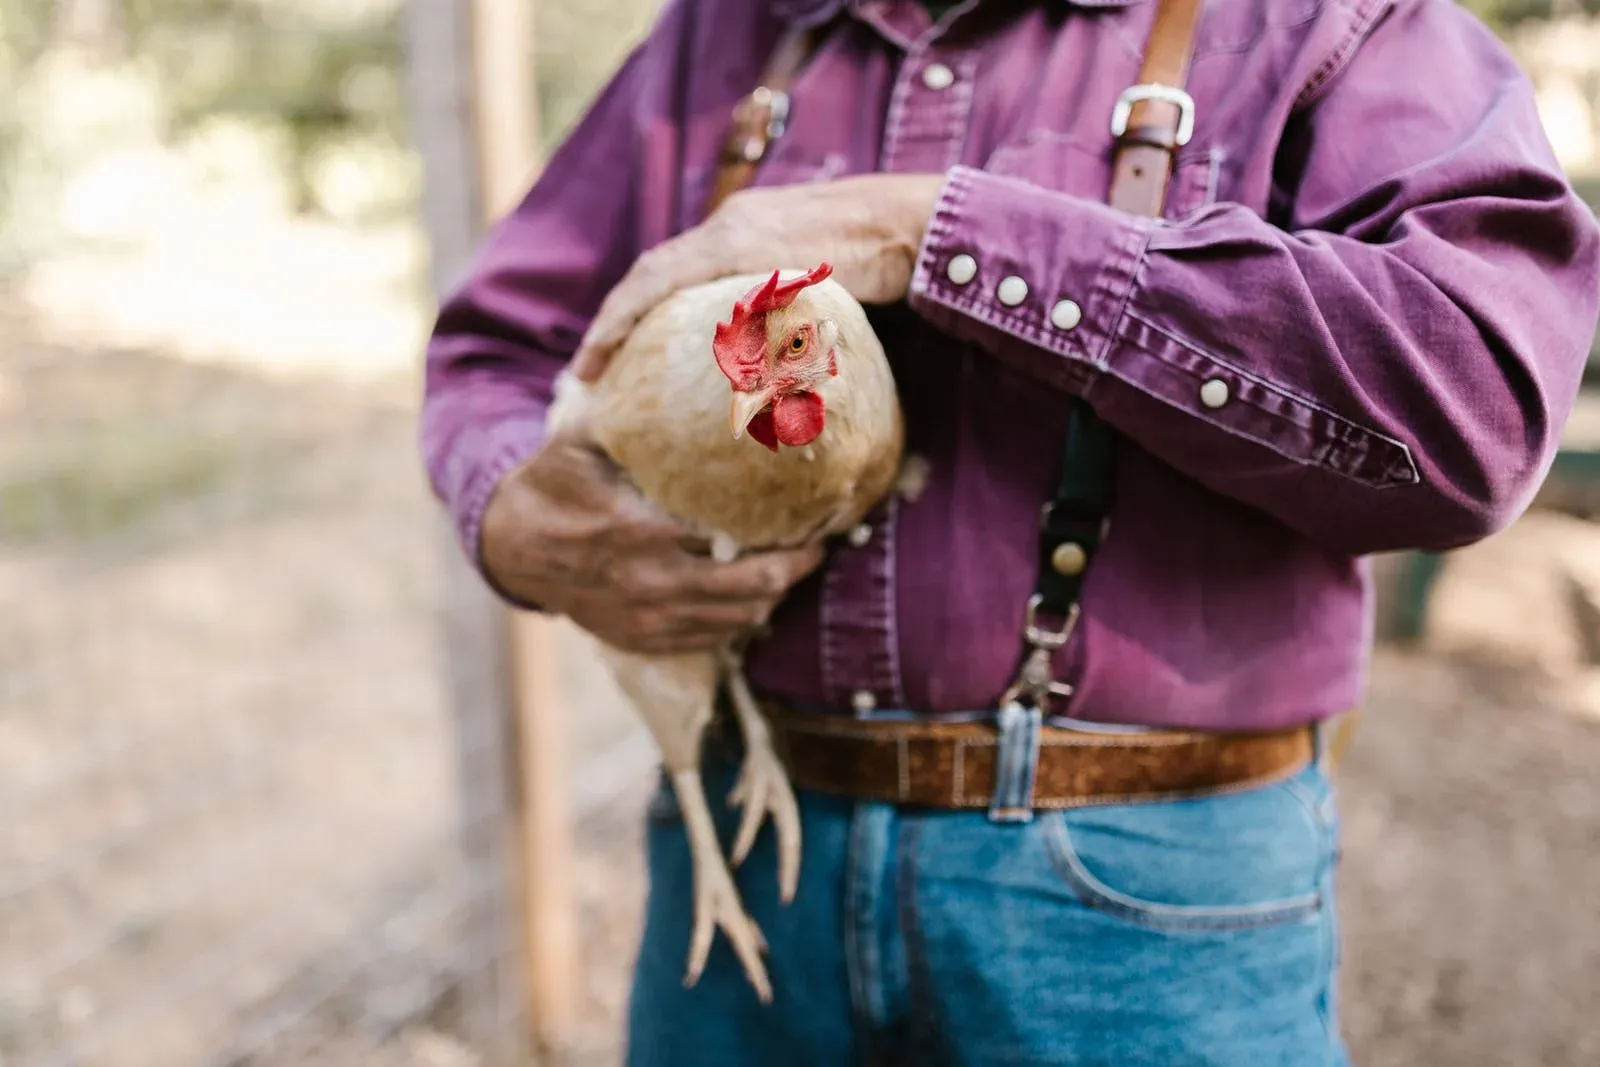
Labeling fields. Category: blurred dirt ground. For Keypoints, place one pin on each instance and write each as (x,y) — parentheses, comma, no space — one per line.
(228,776)
(226,761)
(228,779)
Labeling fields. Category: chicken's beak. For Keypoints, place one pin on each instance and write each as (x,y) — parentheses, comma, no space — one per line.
(745,406)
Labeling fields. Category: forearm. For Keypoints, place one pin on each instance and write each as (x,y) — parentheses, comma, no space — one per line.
(533,288)
(1402,383)
(477,426)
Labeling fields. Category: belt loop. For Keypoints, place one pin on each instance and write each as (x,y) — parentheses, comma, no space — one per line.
(1016,760)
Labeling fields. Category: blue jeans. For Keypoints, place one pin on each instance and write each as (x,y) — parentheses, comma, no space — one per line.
(1176,933)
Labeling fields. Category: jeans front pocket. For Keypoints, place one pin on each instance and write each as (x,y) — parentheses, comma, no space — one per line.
(1252,858)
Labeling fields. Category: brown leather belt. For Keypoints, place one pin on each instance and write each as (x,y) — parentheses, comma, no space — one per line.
(952,765)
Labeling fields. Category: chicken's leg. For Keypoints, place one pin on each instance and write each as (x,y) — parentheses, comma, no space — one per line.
(674,696)
(716,899)
(763,785)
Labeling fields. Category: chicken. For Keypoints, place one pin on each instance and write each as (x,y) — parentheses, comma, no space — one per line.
(774,425)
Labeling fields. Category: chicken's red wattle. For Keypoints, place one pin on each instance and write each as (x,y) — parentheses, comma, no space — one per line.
(797,418)
(794,420)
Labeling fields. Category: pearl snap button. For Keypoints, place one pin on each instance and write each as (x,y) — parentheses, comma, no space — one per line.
(1065,315)
(1012,291)
(962,269)
(860,534)
(938,77)
(1214,394)
(863,700)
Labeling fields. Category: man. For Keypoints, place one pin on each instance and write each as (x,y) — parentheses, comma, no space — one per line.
(1357,325)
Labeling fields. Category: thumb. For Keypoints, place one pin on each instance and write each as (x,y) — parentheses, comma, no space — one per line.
(598,346)
(793,564)
(612,323)
(590,361)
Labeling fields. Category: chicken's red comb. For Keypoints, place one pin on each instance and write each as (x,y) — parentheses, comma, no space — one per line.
(772,294)
(740,343)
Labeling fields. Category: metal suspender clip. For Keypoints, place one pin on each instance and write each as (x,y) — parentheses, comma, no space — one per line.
(1034,683)
(1022,711)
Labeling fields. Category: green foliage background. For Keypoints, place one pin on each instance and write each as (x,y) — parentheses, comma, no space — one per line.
(319,71)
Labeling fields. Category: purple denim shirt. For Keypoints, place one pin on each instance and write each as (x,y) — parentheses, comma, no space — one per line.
(1359,327)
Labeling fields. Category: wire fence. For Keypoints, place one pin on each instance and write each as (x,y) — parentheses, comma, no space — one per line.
(245,818)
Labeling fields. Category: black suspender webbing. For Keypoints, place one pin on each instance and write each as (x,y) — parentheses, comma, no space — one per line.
(1151,121)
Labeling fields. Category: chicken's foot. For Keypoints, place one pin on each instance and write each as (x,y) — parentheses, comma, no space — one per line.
(763,785)
(716,899)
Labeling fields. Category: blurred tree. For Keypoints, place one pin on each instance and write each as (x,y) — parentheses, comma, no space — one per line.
(320,76)
(578,45)
(1505,15)
(324,70)
(93,26)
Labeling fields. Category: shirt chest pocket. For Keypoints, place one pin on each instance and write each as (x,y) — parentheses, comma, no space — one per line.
(1068,164)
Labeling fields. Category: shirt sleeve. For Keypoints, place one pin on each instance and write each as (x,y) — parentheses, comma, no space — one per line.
(1390,368)
(503,334)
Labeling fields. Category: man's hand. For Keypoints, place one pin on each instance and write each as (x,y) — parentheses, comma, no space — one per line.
(566,533)
(868,227)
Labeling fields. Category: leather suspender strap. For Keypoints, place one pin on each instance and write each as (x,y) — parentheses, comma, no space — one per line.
(1151,121)
(761,117)
(1155,118)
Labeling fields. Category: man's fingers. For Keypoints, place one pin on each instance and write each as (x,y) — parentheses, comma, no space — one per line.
(690,627)
(763,574)
(591,360)
(686,260)
(682,577)
(649,282)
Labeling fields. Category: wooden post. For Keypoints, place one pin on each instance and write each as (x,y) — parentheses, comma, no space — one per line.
(507,124)
(440,90)
(507,95)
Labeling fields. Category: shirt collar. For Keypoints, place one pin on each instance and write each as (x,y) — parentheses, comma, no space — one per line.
(815,12)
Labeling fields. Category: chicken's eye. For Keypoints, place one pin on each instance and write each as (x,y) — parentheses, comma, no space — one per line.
(797,343)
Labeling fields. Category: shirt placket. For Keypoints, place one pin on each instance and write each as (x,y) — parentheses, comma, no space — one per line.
(924,130)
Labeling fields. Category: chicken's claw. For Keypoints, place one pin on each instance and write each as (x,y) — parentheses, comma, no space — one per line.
(763,787)
(763,784)
(716,900)
(716,903)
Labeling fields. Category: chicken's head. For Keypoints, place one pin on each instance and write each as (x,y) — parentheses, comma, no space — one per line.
(775,352)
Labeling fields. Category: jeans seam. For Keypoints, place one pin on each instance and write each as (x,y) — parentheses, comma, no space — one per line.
(855,966)
(1317,812)
(1328,969)
(1096,894)
(919,979)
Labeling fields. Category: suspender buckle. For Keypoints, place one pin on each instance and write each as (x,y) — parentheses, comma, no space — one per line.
(1164,93)
(776,103)
(759,119)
